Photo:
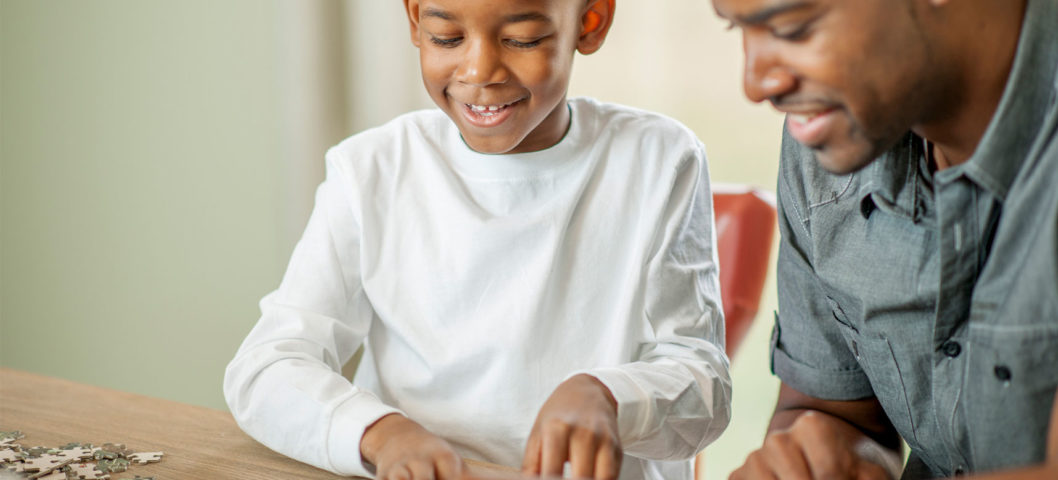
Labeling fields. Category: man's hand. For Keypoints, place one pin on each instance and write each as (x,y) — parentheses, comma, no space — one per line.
(401,449)
(818,445)
(578,424)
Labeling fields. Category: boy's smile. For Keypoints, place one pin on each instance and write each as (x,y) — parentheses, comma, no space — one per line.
(500,70)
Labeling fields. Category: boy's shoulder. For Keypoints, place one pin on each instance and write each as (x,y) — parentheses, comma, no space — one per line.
(624,123)
(419,126)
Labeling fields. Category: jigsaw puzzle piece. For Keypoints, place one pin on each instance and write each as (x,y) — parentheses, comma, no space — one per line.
(144,458)
(86,471)
(8,437)
(115,465)
(8,455)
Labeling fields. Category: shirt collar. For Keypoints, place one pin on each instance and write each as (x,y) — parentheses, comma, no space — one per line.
(1024,104)
(893,179)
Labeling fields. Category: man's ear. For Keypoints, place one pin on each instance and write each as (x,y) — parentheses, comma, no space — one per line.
(595,22)
(412,9)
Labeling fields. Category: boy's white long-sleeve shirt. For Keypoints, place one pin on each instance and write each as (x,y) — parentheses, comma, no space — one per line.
(478,283)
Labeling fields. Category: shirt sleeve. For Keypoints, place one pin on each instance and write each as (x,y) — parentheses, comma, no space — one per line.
(808,350)
(284,386)
(676,398)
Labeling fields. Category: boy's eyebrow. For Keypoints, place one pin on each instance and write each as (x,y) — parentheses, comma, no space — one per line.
(437,13)
(527,17)
(515,18)
(762,16)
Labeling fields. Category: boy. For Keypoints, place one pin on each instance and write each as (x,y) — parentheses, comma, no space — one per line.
(517,255)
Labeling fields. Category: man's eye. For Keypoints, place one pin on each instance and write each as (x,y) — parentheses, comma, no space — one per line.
(791,34)
(445,42)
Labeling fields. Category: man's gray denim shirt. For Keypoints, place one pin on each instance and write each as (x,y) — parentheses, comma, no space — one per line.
(935,292)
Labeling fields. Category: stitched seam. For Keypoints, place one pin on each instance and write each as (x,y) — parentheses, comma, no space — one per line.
(835,197)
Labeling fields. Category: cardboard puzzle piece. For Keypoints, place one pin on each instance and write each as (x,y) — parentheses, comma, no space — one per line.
(118,448)
(36,451)
(53,475)
(79,452)
(17,467)
(115,465)
(144,458)
(73,461)
(47,471)
(45,462)
(8,438)
(9,455)
(87,471)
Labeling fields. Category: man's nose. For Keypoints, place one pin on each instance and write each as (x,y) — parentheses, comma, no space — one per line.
(483,65)
(765,76)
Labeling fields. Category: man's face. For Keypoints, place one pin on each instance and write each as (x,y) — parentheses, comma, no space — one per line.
(499,69)
(848,73)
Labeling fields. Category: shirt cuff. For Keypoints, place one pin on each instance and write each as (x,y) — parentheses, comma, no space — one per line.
(348,422)
(824,384)
(631,401)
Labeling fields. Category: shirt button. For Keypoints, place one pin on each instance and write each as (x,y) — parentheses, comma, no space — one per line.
(960,471)
(1002,372)
(951,348)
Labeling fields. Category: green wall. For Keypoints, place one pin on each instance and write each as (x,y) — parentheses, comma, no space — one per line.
(140,188)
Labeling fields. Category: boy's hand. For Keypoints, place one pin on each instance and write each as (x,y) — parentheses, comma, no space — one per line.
(578,424)
(401,449)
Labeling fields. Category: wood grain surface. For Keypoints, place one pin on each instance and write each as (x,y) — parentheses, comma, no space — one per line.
(199,442)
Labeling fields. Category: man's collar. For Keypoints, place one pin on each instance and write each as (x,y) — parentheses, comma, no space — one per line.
(1027,98)
(892,179)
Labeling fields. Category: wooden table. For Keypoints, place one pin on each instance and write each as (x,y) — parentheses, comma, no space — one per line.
(199,442)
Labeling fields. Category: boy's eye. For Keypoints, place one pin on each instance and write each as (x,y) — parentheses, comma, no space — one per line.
(445,42)
(520,44)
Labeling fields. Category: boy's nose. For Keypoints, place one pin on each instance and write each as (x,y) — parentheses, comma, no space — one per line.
(482,65)
(765,76)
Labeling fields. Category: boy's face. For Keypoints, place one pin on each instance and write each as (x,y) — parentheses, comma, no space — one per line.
(852,76)
(500,69)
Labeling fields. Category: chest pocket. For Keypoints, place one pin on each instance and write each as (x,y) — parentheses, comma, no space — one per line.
(877,358)
(1010,385)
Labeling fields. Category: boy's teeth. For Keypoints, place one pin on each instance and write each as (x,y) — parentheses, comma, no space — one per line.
(486,108)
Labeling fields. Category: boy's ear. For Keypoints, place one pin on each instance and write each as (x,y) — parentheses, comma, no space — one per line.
(594,25)
(412,9)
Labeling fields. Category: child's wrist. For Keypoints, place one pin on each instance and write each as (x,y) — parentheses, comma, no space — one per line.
(376,434)
(602,388)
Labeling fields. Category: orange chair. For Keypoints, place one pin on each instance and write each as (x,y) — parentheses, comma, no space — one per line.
(745,225)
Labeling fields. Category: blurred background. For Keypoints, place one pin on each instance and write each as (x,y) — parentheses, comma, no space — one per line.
(159,159)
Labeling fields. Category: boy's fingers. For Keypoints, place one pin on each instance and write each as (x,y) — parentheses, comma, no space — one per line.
(607,462)
(421,470)
(449,468)
(555,449)
(399,473)
(582,450)
(531,461)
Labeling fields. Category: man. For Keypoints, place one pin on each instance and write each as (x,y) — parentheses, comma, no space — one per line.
(918,269)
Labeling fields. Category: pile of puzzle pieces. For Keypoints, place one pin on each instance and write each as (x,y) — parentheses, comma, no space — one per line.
(73,461)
